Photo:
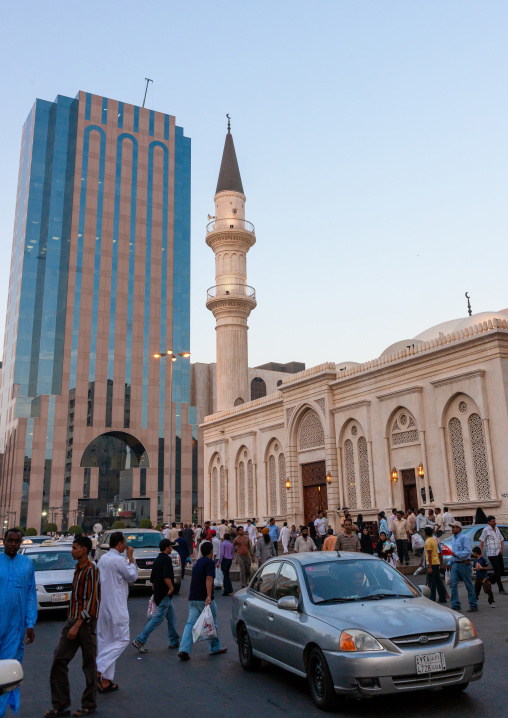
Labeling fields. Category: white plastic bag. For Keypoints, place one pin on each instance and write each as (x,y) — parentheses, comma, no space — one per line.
(204,628)
(447,578)
(393,560)
(152,607)
(417,541)
(218,581)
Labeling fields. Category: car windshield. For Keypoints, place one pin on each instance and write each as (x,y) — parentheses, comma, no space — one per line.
(52,560)
(139,540)
(341,581)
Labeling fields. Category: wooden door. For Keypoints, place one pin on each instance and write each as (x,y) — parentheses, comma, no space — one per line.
(314,489)
(410,490)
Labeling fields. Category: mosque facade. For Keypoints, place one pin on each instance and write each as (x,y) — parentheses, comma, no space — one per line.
(423,425)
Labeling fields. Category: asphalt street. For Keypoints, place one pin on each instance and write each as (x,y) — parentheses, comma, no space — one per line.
(158,681)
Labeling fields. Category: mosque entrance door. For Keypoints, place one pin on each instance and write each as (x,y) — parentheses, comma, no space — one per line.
(314,489)
(410,491)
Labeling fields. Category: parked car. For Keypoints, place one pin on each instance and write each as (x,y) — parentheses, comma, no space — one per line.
(54,573)
(352,625)
(30,540)
(11,675)
(146,549)
(473,532)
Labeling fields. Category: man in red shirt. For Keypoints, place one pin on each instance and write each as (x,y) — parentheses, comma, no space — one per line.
(245,555)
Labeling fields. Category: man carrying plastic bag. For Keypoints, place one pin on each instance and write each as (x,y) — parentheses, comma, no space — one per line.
(201,597)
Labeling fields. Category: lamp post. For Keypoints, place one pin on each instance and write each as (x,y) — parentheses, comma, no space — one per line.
(173,356)
(54,510)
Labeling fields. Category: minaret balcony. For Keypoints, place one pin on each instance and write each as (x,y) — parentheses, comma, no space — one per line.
(235,292)
(230,224)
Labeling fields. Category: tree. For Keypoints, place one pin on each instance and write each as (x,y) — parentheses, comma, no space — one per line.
(159,527)
(145,524)
(76,530)
(31,532)
(118,525)
(49,528)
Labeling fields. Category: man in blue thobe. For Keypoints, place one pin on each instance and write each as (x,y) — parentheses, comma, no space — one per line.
(460,566)
(18,612)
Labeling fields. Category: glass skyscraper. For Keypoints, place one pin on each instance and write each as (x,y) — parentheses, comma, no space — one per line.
(99,283)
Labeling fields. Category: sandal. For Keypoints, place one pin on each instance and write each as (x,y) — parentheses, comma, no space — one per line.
(55,712)
(83,712)
(109,689)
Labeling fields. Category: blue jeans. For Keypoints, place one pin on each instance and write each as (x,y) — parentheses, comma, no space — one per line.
(165,609)
(462,572)
(195,609)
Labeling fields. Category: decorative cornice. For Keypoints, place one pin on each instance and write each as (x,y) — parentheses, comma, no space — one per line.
(399,392)
(235,410)
(353,405)
(214,442)
(474,374)
(272,427)
(243,435)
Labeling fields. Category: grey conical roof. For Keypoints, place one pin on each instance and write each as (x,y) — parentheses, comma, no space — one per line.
(229,175)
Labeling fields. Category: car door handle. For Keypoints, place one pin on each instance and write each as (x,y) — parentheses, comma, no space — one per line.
(270,616)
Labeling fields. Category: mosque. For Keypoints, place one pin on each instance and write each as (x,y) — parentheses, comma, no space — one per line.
(423,425)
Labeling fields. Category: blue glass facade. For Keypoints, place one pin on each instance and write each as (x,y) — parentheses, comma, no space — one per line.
(93,251)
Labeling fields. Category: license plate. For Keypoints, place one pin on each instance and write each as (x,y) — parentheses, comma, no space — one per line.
(59,598)
(430,663)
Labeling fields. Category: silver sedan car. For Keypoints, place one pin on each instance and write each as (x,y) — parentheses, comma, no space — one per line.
(352,625)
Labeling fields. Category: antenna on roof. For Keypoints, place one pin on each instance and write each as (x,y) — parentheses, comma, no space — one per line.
(470,311)
(146,89)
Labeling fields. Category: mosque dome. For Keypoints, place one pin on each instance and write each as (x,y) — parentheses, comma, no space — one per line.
(455,325)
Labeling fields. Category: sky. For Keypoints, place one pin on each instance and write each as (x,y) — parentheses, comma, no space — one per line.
(371,138)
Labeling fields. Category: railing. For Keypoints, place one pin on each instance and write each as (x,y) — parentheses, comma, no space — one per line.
(217,225)
(224,290)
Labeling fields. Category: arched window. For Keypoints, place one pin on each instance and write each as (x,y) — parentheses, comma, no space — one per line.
(404,429)
(356,467)
(468,450)
(245,490)
(257,388)
(218,489)
(239,401)
(311,434)
(279,383)
(276,480)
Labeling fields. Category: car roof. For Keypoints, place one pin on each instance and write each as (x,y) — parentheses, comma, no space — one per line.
(324,556)
(133,531)
(36,549)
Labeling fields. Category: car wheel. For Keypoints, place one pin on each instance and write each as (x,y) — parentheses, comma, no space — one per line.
(456,689)
(320,680)
(176,588)
(248,661)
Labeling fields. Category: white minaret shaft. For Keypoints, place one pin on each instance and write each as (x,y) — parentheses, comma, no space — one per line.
(231,300)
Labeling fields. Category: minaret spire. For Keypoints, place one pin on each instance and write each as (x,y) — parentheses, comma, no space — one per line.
(231,300)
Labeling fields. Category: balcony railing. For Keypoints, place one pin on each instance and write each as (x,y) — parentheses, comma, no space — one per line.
(217,225)
(234,290)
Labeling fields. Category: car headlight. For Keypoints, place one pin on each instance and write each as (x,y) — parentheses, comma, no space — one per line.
(466,629)
(354,639)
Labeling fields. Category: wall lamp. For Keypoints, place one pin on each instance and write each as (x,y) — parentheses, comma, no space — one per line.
(394,474)
(421,473)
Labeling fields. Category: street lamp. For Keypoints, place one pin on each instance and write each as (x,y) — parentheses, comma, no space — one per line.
(162,355)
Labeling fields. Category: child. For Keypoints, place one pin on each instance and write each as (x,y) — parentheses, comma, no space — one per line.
(480,565)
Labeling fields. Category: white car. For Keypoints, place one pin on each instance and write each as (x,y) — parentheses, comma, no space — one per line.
(54,573)
(11,675)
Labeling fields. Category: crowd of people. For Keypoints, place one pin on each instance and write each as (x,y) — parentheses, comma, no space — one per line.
(98,619)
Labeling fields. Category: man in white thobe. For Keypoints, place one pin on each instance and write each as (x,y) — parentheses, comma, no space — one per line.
(116,572)
(284,537)
(250,530)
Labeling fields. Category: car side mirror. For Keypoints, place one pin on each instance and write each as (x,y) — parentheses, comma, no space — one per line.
(11,675)
(426,592)
(104,547)
(288,603)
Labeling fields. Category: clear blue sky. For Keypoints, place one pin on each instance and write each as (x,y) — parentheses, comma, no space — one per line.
(371,138)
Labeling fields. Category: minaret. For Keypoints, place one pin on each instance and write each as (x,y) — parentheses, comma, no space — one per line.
(231,300)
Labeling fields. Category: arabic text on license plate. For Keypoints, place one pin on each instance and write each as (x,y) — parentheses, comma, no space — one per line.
(58,598)
(430,663)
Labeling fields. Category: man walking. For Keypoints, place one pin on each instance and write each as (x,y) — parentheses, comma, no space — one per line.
(18,607)
(438,522)
(116,573)
(79,631)
(434,564)
(162,579)
(304,542)
(250,529)
(285,536)
(245,554)
(319,525)
(312,528)
(329,542)
(222,530)
(447,520)
(274,535)
(226,555)
(460,567)
(182,550)
(492,539)
(188,535)
(201,595)
(173,533)
(400,528)
(348,541)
